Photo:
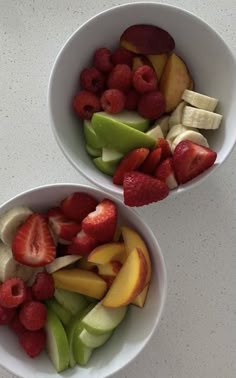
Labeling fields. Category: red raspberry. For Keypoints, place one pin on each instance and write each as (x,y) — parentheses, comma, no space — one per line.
(86,103)
(6,315)
(33,315)
(122,56)
(16,326)
(33,342)
(113,101)
(43,287)
(102,60)
(12,292)
(120,78)
(131,101)
(144,79)
(92,80)
(29,294)
(151,105)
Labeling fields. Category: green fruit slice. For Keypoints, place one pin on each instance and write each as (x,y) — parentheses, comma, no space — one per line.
(81,352)
(63,314)
(105,166)
(94,152)
(111,156)
(71,301)
(130,118)
(94,341)
(90,136)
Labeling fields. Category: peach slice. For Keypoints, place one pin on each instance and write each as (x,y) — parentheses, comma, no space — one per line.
(141,298)
(139,61)
(129,282)
(105,253)
(86,265)
(109,269)
(147,39)
(158,63)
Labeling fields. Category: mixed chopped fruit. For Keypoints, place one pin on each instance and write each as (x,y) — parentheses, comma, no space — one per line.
(142,120)
(68,276)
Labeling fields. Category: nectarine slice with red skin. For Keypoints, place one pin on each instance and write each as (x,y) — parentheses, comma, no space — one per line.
(108,252)
(158,62)
(110,269)
(141,298)
(139,61)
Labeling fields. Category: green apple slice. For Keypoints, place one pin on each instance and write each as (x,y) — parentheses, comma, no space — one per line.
(130,118)
(63,314)
(118,136)
(57,344)
(94,341)
(81,352)
(94,152)
(103,319)
(90,136)
(110,155)
(105,166)
(73,302)
(155,132)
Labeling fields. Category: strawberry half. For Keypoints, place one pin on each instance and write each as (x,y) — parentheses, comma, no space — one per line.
(101,223)
(141,189)
(63,228)
(165,148)
(78,205)
(130,162)
(191,159)
(152,161)
(82,244)
(33,243)
(165,172)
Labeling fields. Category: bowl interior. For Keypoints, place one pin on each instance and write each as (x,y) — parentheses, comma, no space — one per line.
(133,333)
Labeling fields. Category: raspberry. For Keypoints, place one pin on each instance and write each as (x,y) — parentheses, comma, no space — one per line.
(33,342)
(131,101)
(113,101)
(151,105)
(86,103)
(29,294)
(43,287)
(16,326)
(12,292)
(33,315)
(144,79)
(120,78)
(102,60)
(122,56)
(6,315)
(92,80)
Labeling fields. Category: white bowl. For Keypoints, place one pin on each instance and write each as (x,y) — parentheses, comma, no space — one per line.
(209,59)
(131,336)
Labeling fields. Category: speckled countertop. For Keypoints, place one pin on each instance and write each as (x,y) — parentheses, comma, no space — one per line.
(197,232)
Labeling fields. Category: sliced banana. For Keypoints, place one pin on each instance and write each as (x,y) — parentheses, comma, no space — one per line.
(175,131)
(155,132)
(61,262)
(194,136)
(11,221)
(199,100)
(201,119)
(163,122)
(177,114)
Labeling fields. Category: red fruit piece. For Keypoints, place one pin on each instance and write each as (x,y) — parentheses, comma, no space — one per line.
(12,292)
(101,223)
(33,342)
(131,100)
(130,162)
(144,79)
(151,105)
(62,250)
(64,228)
(102,60)
(141,189)
(33,244)
(120,78)
(191,159)
(86,103)
(43,287)
(6,315)
(165,148)
(29,294)
(16,326)
(92,80)
(78,205)
(151,162)
(113,101)
(122,56)
(33,315)
(82,244)
(165,172)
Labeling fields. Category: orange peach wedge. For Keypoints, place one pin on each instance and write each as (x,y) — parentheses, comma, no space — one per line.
(112,268)
(108,252)
(158,62)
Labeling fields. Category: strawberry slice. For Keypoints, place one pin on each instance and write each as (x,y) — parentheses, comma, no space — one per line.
(151,162)
(191,159)
(78,205)
(165,148)
(82,244)
(64,229)
(33,243)
(141,189)
(101,223)
(130,162)
(165,172)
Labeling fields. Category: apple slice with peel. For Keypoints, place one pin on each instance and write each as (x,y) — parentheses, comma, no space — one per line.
(63,314)
(61,262)
(72,302)
(108,252)
(90,136)
(130,118)
(106,167)
(102,320)
(57,344)
(110,155)
(93,152)
(94,341)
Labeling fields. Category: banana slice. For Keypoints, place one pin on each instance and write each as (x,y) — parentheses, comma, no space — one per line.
(155,132)
(201,119)
(163,122)
(194,136)
(61,262)
(199,100)
(177,114)
(175,131)
(11,221)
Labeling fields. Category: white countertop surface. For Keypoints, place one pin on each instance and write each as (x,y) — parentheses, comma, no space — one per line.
(197,334)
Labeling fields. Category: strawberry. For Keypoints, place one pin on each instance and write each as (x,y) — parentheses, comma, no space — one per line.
(82,244)
(101,223)
(165,172)
(64,228)
(141,189)
(78,205)
(33,244)
(152,161)
(191,159)
(165,148)
(130,162)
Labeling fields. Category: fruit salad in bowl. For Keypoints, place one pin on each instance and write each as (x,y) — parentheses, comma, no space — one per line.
(82,282)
